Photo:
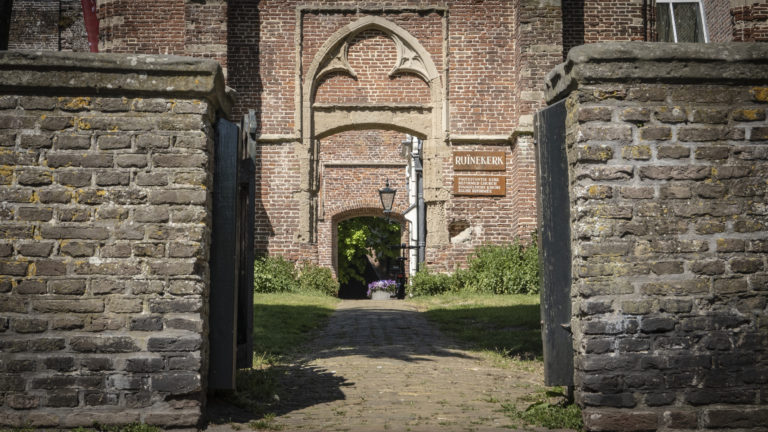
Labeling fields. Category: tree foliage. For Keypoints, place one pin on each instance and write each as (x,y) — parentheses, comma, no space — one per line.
(361,237)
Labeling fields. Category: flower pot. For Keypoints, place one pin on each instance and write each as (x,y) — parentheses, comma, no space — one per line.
(380,295)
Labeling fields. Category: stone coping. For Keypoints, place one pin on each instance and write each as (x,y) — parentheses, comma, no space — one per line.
(656,62)
(142,75)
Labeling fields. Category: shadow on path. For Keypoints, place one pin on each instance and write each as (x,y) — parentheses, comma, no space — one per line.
(371,356)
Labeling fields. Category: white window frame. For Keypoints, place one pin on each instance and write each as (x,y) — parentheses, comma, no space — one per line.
(672,16)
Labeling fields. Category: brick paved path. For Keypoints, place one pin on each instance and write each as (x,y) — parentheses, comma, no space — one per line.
(379,365)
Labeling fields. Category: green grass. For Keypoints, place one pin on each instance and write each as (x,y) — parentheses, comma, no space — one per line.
(282,322)
(505,327)
(549,408)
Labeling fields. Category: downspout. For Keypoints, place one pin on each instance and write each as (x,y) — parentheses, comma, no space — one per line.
(421,213)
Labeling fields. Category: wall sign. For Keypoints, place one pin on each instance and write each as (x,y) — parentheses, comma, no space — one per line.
(480,185)
(479,161)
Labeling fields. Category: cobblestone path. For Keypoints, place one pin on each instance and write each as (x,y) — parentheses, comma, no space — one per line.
(379,365)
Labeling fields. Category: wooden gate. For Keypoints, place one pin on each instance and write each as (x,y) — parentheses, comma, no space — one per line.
(554,244)
(231,261)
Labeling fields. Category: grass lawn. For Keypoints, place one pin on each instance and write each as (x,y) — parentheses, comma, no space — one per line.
(506,328)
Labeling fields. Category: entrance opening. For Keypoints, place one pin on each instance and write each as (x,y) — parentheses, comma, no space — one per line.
(367,250)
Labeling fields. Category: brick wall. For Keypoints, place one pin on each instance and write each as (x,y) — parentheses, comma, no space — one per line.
(591,21)
(669,230)
(750,20)
(53,25)
(105,222)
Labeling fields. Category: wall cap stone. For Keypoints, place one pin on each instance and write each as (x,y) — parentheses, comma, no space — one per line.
(656,62)
(140,75)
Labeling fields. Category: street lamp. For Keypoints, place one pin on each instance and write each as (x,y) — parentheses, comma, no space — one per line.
(387,195)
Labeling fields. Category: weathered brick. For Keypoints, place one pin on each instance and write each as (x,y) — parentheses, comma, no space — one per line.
(131,161)
(144,365)
(179,160)
(710,115)
(176,383)
(712,152)
(626,420)
(36,142)
(682,287)
(103,344)
(593,153)
(31,286)
(71,306)
(29,325)
(73,142)
(671,114)
(181,305)
(149,142)
(113,142)
(67,287)
(73,178)
(36,249)
(113,178)
(74,232)
(146,323)
(34,177)
(748,114)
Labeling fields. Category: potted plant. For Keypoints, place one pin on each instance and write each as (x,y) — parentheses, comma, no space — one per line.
(381,289)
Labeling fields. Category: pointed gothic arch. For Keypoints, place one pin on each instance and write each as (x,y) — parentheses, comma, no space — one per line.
(426,120)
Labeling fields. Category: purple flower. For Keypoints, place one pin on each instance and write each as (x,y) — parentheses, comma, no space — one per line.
(387,285)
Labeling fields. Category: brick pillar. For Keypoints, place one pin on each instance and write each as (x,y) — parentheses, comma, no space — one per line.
(667,152)
(105,173)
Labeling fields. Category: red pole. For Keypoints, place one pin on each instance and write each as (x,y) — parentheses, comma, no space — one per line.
(91,24)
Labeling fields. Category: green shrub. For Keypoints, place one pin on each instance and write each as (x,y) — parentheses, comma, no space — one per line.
(509,269)
(425,283)
(274,274)
(318,279)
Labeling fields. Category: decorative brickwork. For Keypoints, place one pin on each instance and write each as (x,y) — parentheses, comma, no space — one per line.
(105,222)
(667,172)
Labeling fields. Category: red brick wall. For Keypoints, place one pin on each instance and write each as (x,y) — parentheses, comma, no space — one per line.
(590,21)
(371,56)
(750,21)
(350,191)
(719,25)
(482,67)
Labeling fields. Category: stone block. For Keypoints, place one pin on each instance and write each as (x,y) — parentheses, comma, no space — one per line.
(624,420)
(178,196)
(151,179)
(68,306)
(73,142)
(124,305)
(55,196)
(36,142)
(671,114)
(103,344)
(61,398)
(162,344)
(74,232)
(176,383)
(113,142)
(29,325)
(656,133)
(656,324)
(681,287)
(735,417)
(144,365)
(113,178)
(748,114)
(34,177)
(21,401)
(593,153)
(673,152)
(97,364)
(146,323)
(60,364)
(14,268)
(36,249)
(180,160)
(131,161)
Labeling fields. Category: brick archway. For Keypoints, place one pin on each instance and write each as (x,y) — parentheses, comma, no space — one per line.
(321,119)
(328,229)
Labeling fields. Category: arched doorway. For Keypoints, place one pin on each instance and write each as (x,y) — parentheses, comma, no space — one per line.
(367,248)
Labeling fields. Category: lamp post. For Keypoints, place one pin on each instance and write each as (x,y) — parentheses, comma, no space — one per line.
(387,196)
